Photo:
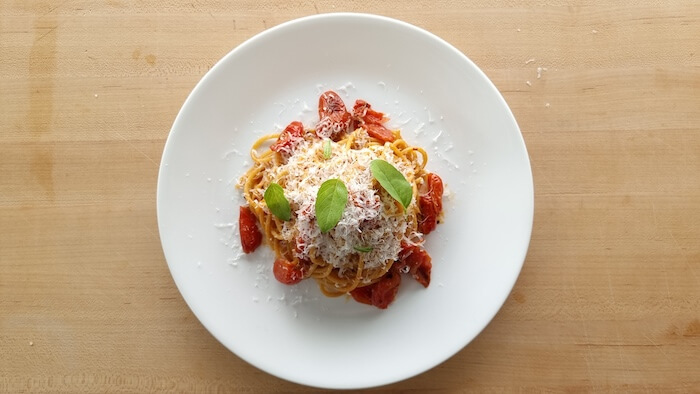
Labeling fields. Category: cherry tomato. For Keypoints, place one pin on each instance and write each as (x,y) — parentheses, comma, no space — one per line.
(422,274)
(430,203)
(415,260)
(251,237)
(436,188)
(379,132)
(289,138)
(371,120)
(362,295)
(363,110)
(334,119)
(381,293)
(385,290)
(288,272)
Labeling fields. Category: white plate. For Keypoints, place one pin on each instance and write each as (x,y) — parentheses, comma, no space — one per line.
(442,102)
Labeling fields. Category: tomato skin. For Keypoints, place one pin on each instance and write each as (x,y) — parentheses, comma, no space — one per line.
(422,274)
(372,121)
(415,260)
(251,237)
(381,293)
(289,138)
(287,272)
(436,187)
(430,203)
(363,110)
(385,290)
(334,119)
(428,221)
(379,132)
(362,295)
(330,104)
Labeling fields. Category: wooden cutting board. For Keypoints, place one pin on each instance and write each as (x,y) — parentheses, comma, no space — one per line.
(608,100)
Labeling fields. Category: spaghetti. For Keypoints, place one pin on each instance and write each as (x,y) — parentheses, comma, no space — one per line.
(376,239)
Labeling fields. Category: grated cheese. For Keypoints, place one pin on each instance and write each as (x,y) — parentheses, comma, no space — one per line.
(371,217)
(328,128)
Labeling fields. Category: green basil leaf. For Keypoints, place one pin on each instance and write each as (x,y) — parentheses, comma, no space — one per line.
(392,181)
(330,203)
(327,149)
(278,204)
(363,249)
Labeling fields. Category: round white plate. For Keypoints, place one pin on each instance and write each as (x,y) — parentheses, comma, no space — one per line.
(442,102)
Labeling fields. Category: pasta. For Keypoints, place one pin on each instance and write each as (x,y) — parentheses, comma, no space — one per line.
(377,238)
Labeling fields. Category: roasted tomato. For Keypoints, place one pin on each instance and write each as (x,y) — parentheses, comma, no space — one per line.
(363,110)
(385,290)
(289,138)
(372,121)
(334,119)
(415,260)
(430,203)
(422,274)
(381,293)
(363,295)
(288,272)
(379,132)
(251,237)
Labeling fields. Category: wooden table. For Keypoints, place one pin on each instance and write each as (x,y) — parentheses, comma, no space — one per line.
(608,99)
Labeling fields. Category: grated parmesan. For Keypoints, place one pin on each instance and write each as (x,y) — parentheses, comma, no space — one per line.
(371,217)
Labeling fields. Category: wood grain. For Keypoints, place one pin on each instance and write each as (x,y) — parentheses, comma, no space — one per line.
(609,297)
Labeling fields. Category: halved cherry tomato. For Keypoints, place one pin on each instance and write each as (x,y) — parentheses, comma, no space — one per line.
(372,121)
(251,237)
(415,260)
(436,188)
(363,295)
(385,290)
(363,110)
(289,138)
(334,119)
(422,274)
(379,132)
(430,203)
(288,272)
(381,293)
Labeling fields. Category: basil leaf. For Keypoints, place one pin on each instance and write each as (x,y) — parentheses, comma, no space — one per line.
(364,249)
(327,149)
(392,181)
(278,204)
(330,203)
